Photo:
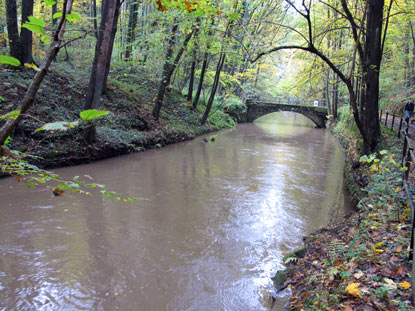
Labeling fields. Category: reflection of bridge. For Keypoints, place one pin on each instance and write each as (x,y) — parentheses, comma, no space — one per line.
(315,110)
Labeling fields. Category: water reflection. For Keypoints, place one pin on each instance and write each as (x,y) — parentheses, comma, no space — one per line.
(222,216)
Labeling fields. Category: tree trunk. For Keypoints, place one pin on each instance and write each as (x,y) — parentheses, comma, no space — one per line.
(193,66)
(202,77)
(336,97)
(13,30)
(328,93)
(412,56)
(29,97)
(132,23)
(102,51)
(372,61)
(111,48)
(94,16)
(256,74)
(25,34)
(168,69)
(214,87)
(192,78)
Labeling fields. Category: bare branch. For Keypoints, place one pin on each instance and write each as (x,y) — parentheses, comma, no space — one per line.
(83,36)
(355,28)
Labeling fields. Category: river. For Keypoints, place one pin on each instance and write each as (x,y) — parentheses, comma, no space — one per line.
(219,219)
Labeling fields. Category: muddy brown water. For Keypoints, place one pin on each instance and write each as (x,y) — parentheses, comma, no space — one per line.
(221,216)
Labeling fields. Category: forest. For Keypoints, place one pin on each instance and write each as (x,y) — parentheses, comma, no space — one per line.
(358,56)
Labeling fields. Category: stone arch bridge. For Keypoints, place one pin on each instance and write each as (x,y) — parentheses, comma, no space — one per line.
(316,110)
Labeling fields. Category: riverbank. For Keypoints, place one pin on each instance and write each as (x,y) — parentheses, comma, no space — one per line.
(129,126)
(359,262)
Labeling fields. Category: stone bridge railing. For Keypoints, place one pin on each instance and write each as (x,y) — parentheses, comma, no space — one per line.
(286,100)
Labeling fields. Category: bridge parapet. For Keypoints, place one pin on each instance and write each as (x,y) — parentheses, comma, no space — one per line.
(256,109)
(289,100)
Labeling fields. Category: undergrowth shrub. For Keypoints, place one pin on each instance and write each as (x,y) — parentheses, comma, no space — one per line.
(235,108)
(347,132)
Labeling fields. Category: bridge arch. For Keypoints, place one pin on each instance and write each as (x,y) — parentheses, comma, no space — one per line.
(256,109)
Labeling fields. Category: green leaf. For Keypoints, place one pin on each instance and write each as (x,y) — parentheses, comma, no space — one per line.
(8,139)
(11,115)
(64,187)
(92,114)
(45,39)
(35,25)
(9,60)
(2,99)
(49,2)
(57,15)
(73,18)
(364,158)
(30,185)
(34,28)
(36,21)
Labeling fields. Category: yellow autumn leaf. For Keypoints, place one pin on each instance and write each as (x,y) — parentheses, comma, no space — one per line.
(405,285)
(397,189)
(33,66)
(353,290)
(379,244)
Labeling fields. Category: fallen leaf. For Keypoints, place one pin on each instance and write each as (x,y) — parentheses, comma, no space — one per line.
(389,283)
(57,192)
(353,290)
(358,275)
(400,271)
(405,285)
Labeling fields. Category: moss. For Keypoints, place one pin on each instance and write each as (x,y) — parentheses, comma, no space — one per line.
(280,278)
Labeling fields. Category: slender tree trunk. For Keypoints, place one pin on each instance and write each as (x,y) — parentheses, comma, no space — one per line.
(193,66)
(111,48)
(25,34)
(204,68)
(412,55)
(202,77)
(214,87)
(102,52)
(29,97)
(328,93)
(258,70)
(336,97)
(13,30)
(94,16)
(192,77)
(168,69)
(132,23)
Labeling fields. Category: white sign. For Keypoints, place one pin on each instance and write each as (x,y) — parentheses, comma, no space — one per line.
(316,103)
